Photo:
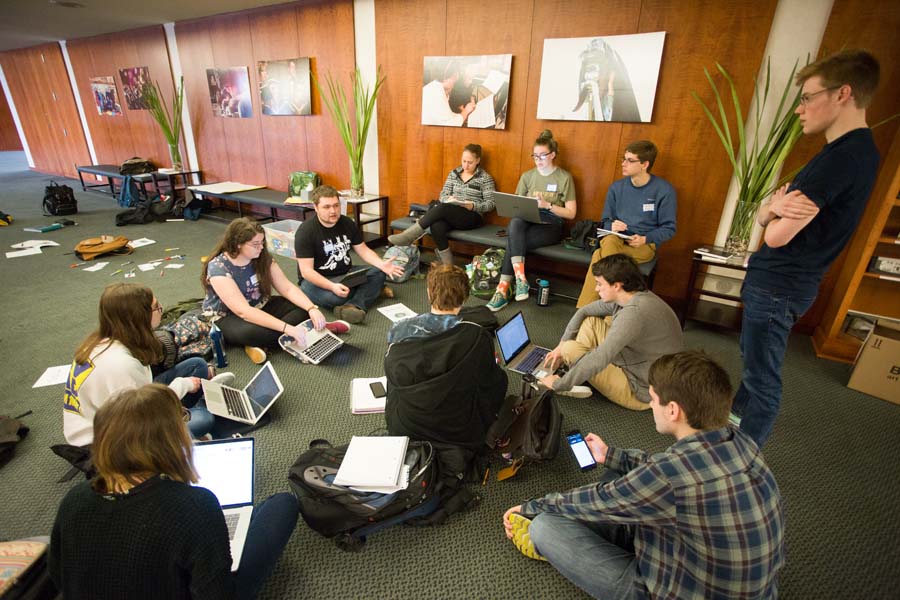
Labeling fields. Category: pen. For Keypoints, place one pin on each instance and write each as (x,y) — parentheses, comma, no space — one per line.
(116,272)
(487,473)
(76,265)
(171,249)
(127,262)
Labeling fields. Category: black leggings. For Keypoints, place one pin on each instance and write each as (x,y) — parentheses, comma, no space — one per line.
(239,332)
(444,218)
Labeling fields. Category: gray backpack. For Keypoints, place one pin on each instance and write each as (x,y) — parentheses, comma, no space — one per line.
(405,256)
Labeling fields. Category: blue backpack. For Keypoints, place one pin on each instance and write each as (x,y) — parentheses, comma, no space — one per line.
(129,194)
(405,256)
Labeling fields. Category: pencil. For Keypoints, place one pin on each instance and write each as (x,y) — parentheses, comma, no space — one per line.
(487,473)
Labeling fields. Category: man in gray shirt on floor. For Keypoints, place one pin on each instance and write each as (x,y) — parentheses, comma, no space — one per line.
(612,342)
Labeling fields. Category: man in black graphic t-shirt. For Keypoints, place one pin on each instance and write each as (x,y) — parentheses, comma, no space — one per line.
(323,249)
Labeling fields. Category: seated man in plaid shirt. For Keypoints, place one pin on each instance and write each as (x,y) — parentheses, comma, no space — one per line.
(701,520)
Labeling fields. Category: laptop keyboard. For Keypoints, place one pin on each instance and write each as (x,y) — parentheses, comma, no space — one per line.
(322,348)
(235,403)
(531,362)
(231,520)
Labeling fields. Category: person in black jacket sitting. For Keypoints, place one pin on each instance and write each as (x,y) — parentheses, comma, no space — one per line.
(444,384)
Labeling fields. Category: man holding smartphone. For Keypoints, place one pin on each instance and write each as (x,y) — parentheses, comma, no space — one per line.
(702,519)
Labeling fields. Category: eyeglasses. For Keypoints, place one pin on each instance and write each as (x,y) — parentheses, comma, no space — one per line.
(158,308)
(257,244)
(805,98)
(541,156)
(630,160)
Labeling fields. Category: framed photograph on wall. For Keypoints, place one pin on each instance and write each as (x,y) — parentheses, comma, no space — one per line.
(229,92)
(284,86)
(466,91)
(602,78)
(133,80)
(105,96)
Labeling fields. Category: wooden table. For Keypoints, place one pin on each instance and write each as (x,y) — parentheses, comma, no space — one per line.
(725,286)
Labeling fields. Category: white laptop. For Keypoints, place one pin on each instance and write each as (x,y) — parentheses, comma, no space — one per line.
(519,353)
(512,205)
(247,405)
(319,344)
(226,468)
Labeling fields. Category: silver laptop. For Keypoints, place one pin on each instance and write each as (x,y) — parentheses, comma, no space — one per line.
(517,349)
(511,205)
(247,405)
(226,468)
(319,344)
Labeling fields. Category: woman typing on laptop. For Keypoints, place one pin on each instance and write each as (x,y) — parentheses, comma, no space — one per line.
(465,198)
(239,280)
(140,530)
(554,191)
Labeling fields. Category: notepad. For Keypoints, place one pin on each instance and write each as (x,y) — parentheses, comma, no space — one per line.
(374,464)
(604,232)
(362,400)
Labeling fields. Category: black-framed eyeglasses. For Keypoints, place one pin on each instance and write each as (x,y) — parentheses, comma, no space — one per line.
(630,160)
(541,156)
(805,98)
(158,308)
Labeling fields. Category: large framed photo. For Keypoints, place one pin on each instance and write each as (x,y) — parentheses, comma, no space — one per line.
(105,97)
(284,86)
(466,91)
(603,78)
(229,92)
(133,81)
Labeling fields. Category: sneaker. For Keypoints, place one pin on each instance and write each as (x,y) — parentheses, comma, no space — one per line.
(499,300)
(225,378)
(338,327)
(521,538)
(352,313)
(257,355)
(521,289)
(386,292)
(577,391)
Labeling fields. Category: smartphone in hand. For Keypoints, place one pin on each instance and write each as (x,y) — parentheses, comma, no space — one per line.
(580,450)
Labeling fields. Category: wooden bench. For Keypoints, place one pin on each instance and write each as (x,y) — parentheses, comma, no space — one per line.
(486,236)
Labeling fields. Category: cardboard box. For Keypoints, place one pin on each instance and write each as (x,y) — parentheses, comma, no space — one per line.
(877,370)
(280,237)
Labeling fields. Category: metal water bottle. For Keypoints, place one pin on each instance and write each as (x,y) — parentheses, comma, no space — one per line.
(215,334)
(543,294)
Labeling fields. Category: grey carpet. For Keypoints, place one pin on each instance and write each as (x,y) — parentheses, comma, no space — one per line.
(834,451)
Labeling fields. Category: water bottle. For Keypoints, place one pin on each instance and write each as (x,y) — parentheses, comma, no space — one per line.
(543,294)
(215,334)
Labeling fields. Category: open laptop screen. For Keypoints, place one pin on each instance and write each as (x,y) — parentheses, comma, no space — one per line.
(225,467)
(263,388)
(512,337)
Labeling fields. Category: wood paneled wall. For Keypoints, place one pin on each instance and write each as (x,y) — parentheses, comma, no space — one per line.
(414,159)
(872,25)
(40,89)
(135,133)
(9,137)
(265,149)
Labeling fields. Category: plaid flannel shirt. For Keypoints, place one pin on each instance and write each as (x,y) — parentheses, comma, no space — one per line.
(707,515)
(479,190)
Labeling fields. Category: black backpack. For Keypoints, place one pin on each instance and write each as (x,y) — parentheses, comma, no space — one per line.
(529,425)
(583,236)
(136,166)
(349,517)
(59,200)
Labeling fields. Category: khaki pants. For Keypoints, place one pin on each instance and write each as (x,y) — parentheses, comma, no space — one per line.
(611,244)
(611,381)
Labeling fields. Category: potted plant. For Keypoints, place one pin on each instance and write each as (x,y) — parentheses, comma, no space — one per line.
(755,166)
(353,127)
(169,122)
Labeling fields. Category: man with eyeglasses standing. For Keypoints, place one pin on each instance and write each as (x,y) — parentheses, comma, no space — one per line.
(808,222)
(639,205)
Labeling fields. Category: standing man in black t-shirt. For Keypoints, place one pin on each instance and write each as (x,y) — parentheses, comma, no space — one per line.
(808,223)
(323,248)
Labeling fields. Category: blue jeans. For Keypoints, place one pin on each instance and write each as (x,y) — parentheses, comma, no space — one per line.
(202,420)
(271,527)
(362,296)
(599,558)
(765,326)
(522,236)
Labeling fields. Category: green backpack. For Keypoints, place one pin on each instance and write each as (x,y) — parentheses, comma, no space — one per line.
(484,272)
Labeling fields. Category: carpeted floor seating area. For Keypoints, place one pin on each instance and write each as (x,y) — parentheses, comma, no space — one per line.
(834,451)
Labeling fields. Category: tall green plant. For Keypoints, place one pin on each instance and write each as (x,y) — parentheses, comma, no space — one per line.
(756,166)
(169,122)
(353,126)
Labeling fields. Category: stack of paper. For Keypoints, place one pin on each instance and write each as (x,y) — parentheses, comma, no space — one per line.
(362,400)
(375,464)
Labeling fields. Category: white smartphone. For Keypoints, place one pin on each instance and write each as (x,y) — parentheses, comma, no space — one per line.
(581,451)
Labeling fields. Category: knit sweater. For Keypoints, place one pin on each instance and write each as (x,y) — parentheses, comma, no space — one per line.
(642,331)
(163,539)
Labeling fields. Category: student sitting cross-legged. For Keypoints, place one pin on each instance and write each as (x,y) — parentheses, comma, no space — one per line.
(239,281)
(140,530)
(701,520)
(118,355)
